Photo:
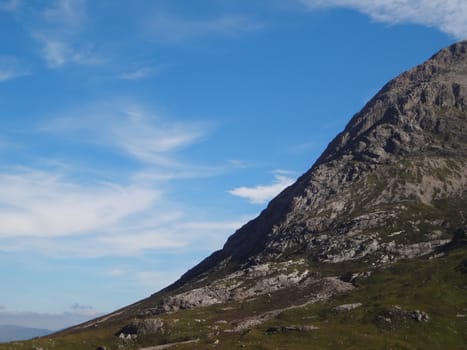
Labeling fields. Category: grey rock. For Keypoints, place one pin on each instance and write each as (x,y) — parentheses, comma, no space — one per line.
(247,283)
(397,316)
(420,316)
(348,307)
(288,329)
(142,327)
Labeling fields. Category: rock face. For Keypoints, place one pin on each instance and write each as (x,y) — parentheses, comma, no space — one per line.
(391,186)
(141,327)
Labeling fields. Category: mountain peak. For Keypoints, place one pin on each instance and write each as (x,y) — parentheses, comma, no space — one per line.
(450,55)
(405,113)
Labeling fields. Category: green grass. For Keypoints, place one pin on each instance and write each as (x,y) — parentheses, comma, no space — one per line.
(438,287)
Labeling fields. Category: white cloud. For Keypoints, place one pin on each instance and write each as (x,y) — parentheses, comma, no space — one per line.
(41,204)
(178,171)
(168,28)
(58,52)
(53,212)
(149,142)
(10,68)
(131,128)
(131,238)
(446,15)
(59,30)
(262,193)
(140,73)
(55,52)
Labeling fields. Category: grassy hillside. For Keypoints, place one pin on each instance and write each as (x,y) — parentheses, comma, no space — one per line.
(386,318)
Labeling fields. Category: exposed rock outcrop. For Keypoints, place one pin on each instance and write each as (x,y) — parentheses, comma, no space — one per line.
(397,317)
(348,307)
(142,327)
(247,283)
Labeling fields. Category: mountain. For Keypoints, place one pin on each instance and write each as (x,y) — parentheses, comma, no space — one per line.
(10,333)
(367,250)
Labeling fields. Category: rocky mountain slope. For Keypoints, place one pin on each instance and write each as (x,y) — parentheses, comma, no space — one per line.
(406,148)
(370,242)
(391,186)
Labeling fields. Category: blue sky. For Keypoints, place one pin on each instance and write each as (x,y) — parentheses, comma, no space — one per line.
(137,136)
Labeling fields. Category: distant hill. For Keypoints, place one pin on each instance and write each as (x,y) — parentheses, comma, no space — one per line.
(11,333)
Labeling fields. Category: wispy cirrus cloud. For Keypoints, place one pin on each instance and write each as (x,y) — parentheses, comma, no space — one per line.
(58,52)
(50,215)
(55,52)
(132,129)
(148,142)
(131,237)
(52,212)
(446,15)
(168,28)
(11,68)
(155,150)
(260,194)
(48,204)
(140,73)
(58,29)
(41,204)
